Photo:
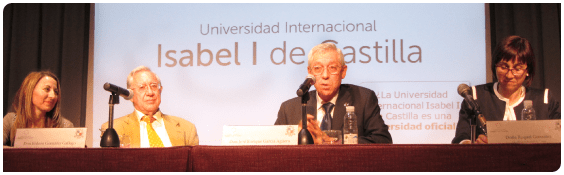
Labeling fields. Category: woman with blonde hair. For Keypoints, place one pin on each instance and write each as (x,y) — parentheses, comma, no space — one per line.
(36,105)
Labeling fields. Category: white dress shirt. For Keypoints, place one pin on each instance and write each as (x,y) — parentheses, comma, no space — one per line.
(159,127)
(509,112)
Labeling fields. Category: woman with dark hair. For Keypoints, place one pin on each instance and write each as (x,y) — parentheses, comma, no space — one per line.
(514,68)
(36,105)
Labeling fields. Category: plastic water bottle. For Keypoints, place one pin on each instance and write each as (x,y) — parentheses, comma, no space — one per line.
(350,129)
(528,112)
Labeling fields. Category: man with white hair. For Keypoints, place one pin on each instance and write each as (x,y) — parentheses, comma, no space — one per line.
(147,126)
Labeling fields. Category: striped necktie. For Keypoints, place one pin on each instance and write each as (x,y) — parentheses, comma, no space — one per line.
(154,139)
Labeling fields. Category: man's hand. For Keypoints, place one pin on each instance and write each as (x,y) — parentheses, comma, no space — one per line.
(314,130)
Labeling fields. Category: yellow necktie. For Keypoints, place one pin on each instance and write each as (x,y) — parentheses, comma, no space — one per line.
(154,139)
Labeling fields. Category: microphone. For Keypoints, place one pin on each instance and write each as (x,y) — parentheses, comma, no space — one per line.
(466,93)
(125,93)
(304,87)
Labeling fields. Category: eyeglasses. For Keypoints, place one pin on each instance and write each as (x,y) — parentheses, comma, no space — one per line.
(517,71)
(332,69)
(144,87)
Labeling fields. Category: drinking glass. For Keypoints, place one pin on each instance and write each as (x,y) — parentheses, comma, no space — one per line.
(333,137)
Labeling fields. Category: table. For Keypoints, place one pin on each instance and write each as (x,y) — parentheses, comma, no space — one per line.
(373,157)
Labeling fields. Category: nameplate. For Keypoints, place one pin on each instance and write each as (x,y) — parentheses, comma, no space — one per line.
(532,131)
(50,138)
(260,135)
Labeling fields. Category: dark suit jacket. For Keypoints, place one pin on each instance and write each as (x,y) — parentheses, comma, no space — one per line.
(371,127)
(493,109)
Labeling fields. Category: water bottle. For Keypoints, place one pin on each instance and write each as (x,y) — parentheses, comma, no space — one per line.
(350,129)
(528,112)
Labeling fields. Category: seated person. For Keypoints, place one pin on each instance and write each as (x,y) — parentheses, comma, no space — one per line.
(147,126)
(514,67)
(36,105)
(326,63)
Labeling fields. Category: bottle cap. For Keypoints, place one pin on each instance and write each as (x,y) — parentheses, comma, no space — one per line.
(350,108)
(528,103)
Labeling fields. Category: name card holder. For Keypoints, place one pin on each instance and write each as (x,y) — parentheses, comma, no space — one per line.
(260,135)
(529,131)
(50,138)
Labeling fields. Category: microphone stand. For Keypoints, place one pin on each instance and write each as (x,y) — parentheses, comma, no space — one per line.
(473,128)
(304,137)
(473,120)
(478,117)
(110,137)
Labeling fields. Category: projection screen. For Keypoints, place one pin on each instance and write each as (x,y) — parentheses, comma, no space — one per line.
(234,64)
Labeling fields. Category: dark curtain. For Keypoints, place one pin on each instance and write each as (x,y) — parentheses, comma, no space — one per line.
(540,24)
(48,37)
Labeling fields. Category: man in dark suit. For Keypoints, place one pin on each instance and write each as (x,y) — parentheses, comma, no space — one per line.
(326,63)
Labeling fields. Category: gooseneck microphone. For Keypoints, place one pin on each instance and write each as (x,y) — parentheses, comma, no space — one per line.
(304,136)
(125,93)
(466,92)
(304,87)
(110,137)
